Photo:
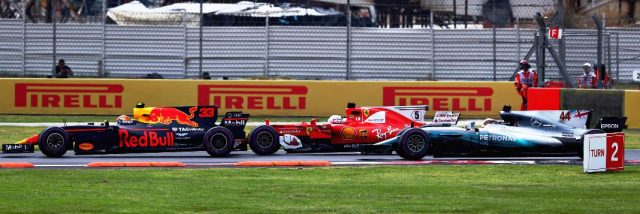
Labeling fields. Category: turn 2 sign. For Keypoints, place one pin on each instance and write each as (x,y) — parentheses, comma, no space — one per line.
(603,152)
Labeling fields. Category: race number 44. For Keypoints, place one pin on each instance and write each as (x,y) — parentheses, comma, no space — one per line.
(603,152)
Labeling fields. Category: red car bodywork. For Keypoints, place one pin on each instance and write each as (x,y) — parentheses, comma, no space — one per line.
(362,125)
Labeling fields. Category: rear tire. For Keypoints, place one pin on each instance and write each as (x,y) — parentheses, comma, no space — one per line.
(54,142)
(218,141)
(264,140)
(413,144)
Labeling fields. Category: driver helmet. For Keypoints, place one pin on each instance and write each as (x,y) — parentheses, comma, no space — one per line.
(123,118)
(335,119)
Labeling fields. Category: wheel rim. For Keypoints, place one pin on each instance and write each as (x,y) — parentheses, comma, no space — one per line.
(264,140)
(415,143)
(55,141)
(218,141)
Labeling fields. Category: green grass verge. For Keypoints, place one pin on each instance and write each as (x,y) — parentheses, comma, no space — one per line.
(13,134)
(12,118)
(413,189)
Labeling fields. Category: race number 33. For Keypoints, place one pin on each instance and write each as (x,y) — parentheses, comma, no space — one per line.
(603,152)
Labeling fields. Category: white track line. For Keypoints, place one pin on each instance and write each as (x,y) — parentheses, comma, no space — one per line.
(60,165)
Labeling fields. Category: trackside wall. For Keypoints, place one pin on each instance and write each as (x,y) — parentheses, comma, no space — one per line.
(270,97)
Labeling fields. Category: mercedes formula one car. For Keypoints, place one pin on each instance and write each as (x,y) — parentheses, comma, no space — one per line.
(361,126)
(518,133)
(152,129)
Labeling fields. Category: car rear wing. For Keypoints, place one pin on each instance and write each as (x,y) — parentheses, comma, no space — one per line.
(415,113)
(612,124)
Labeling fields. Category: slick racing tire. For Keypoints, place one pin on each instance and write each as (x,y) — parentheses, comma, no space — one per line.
(580,148)
(264,140)
(218,141)
(413,144)
(54,142)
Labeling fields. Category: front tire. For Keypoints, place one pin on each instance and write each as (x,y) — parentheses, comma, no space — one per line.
(54,142)
(413,144)
(218,141)
(264,140)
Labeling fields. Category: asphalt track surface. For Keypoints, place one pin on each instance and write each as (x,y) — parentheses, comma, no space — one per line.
(201,158)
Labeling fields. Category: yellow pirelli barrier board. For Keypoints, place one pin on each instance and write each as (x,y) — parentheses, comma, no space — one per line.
(632,108)
(272,97)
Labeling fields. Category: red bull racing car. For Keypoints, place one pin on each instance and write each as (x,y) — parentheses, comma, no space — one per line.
(152,129)
(361,126)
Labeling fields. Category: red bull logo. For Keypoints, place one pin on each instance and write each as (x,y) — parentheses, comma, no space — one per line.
(440,98)
(58,95)
(168,115)
(147,139)
(263,97)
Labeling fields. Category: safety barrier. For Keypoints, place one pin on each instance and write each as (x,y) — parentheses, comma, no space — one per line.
(16,165)
(263,97)
(609,103)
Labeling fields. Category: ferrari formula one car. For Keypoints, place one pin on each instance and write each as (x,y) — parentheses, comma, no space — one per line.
(152,129)
(518,133)
(361,126)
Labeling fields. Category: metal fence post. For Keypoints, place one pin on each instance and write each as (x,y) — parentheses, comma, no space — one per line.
(495,66)
(608,51)
(200,43)
(24,38)
(560,22)
(433,48)
(348,74)
(540,55)
(617,57)
(493,5)
(185,32)
(600,28)
(517,39)
(53,20)
(266,45)
(104,39)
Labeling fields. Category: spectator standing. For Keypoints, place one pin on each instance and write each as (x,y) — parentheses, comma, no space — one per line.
(62,70)
(588,78)
(525,79)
